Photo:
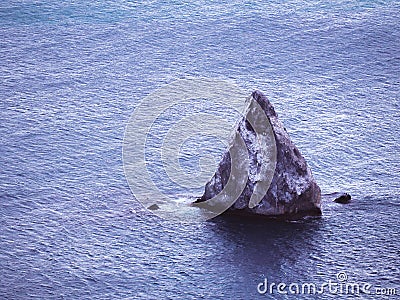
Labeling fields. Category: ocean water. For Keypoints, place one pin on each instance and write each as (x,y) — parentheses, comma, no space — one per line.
(72,74)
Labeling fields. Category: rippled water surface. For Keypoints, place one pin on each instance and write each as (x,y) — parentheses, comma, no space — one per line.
(73,73)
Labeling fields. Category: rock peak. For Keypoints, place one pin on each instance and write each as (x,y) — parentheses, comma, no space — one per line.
(279,182)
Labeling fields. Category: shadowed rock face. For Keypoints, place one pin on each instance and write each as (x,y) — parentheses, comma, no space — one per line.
(292,193)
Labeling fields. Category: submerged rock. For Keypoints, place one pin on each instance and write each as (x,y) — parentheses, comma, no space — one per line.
(343,199)
(284,189)
(153,207)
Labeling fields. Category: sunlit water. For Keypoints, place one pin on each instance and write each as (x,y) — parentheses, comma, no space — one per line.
(71,76)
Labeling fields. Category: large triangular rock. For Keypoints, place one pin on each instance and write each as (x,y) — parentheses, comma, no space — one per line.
(292,193)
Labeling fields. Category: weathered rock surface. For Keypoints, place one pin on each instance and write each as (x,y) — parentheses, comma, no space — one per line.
(292,193)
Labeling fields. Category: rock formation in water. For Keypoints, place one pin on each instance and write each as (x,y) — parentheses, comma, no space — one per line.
(343,199)
(292,193)
(153,207)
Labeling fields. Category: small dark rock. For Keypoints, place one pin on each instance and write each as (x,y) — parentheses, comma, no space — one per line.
(153,207)
(343,199)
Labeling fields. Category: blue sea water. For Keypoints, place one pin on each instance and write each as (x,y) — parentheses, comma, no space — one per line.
(72,73)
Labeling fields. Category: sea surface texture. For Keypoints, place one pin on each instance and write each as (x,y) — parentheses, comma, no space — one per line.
(71,75)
